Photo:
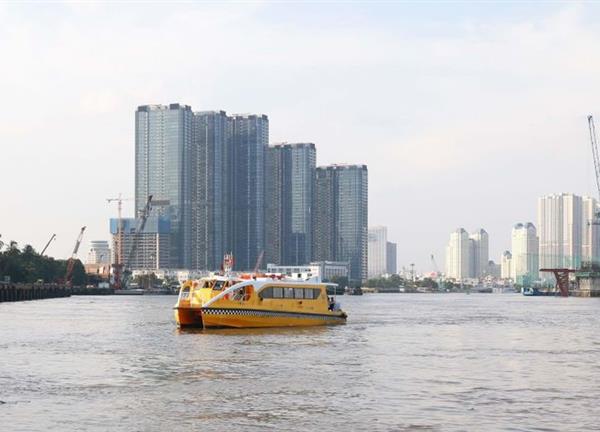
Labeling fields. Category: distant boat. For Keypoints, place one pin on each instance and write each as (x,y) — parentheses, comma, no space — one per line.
(482,290)
(132,291)
(354,291)
(532,291)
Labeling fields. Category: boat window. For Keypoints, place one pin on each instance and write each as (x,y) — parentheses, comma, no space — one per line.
(219,285)
(298,293)
(288,292)
(277,292)
(267,293)
(308,293)
(206,284)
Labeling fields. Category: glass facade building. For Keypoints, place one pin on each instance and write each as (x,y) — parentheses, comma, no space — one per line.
(250,138)
(341,217)
(223,189)
(212,181)
(290,170)
(163,138)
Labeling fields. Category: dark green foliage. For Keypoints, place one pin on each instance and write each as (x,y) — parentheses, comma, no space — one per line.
(79,277)
(428,283)
(27,266)
(394,281)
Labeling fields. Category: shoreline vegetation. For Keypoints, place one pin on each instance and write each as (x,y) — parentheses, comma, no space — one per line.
(25,265)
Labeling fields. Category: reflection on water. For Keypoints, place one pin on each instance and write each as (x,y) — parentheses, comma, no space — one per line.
(401,363)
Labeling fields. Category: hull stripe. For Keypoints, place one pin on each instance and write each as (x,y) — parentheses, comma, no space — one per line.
(269,313)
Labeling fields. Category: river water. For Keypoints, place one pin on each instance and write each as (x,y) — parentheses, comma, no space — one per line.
(403,362)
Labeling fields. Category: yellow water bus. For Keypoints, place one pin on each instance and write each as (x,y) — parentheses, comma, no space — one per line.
(255,301)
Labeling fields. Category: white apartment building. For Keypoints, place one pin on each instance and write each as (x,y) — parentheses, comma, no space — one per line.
(590,240)
(99,252)
(506,265)
(480,253)
(377,251)
(560,228)
(458,256)
(525,247)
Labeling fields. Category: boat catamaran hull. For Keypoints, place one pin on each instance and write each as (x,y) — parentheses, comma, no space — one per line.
(219,302)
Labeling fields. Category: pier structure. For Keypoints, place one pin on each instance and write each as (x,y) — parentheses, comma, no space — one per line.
(12,292)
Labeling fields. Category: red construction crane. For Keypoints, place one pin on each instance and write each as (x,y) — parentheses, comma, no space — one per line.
(71,261)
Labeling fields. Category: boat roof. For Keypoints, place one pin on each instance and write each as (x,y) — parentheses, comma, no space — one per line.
(259,283)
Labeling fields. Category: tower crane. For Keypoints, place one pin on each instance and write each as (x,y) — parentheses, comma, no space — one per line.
(143,217)
(47,244)
(71,261)
(596,159)
(118,246)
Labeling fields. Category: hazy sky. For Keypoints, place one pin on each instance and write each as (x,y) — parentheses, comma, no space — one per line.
(464,113)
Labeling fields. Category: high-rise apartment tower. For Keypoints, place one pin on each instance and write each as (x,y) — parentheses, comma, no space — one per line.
(290,170)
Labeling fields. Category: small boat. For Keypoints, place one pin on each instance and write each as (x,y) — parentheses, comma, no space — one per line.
(532,291)
(247,301)
(130,291)
(354,291)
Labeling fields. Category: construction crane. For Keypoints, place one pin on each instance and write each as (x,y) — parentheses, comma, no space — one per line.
(118,246)
(47,244)
(71,261)
(139,228)
(596,159)
(122,278)
(258,262)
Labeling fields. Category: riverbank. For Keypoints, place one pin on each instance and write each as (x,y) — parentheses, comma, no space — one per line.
(12,292)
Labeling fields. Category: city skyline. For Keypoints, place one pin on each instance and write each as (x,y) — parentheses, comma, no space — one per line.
(424,153)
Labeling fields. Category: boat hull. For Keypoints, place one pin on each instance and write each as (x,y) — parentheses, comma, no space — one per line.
(252,318)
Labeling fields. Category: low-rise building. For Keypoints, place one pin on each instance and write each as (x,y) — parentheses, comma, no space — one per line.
(325,270)
(153,249)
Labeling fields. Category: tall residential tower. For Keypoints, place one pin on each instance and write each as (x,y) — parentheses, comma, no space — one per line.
(525,247)
(212,191)
(560,224)
(341,217)
(290,170)
(458,257)
(250,137)
(377,251)
(163,164)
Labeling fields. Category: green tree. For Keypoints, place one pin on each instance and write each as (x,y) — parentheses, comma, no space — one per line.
(28,266)
(79,276)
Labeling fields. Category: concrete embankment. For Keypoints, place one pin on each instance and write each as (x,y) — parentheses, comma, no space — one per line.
(11,292)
